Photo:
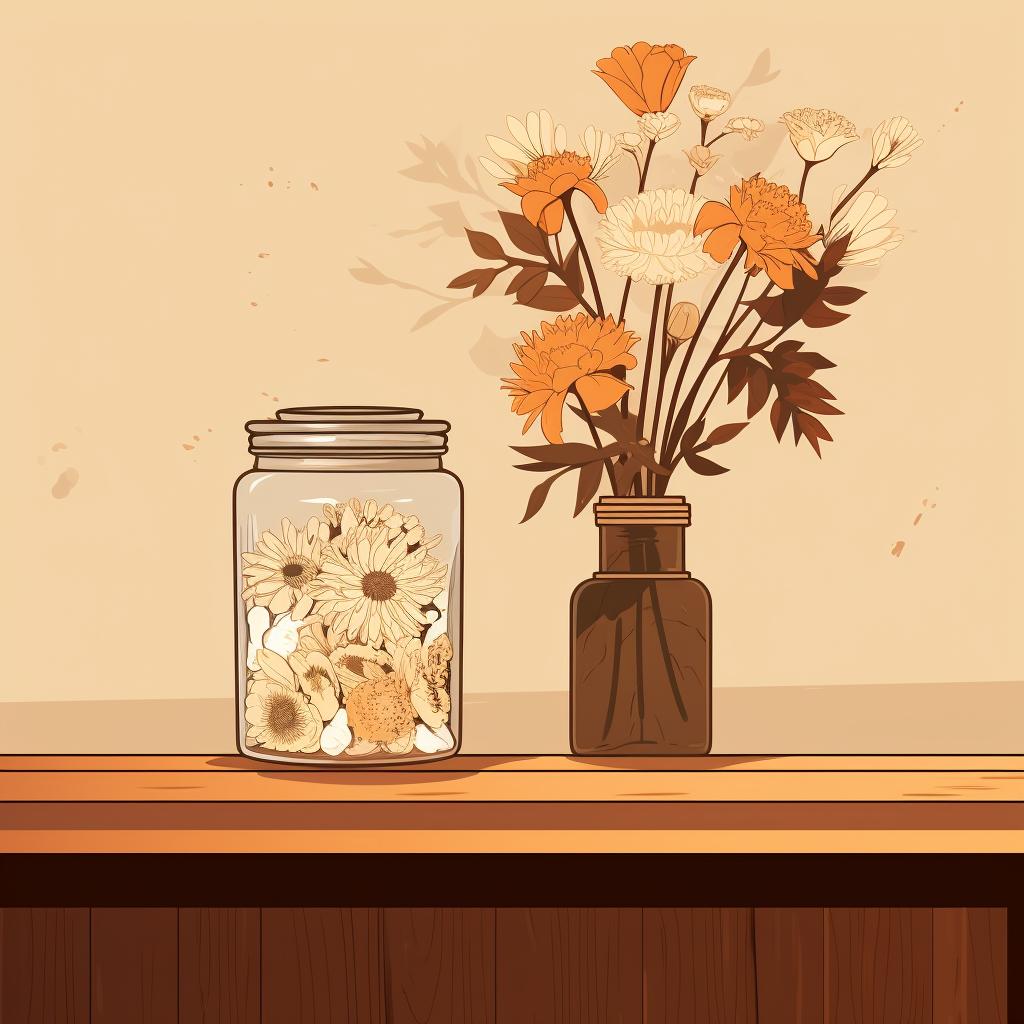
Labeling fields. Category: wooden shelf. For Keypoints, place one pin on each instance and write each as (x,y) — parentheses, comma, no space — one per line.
(514,804)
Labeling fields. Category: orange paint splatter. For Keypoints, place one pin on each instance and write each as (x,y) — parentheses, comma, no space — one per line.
(59,446)
(270,184)
(917,518)
(897,548)
(323,359)
(188,447)
(314,186)
(253,303)
(263,255)
(195,437)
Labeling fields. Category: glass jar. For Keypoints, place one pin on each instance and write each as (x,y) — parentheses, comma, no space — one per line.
(640,659)
(348,589)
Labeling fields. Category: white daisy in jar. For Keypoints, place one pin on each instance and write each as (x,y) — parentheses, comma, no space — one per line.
(277,574)
(378,588)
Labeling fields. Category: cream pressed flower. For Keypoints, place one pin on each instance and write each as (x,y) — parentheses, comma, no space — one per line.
(538,136)
(318,681)
(701,158)
(429,699)
(867,223)
(709,102)
(892,142)
(602,150)
(818,134)
(276,712)
(657,127)
(278,573)
(378,588)
(749,127)
(650,237)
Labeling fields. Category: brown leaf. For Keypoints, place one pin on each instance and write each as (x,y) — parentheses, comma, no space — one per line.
(553,298)
(759,387)
(769,308)
(467,280)
(842,294)
(572,453)
(484,280)
(571,270)
(611,421)
(738,371)
(779,416)
(726,432)
(820,315)
(705,467)
(590,481)
(529,280)
(484,245)
(523,234)
(539,494)
(691,436)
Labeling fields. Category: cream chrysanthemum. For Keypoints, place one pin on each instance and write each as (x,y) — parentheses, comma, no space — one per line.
(818,134)
(378,587)
(650,237)
(276,711)
(283,565)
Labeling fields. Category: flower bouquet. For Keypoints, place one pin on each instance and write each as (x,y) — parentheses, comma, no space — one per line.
(646,371)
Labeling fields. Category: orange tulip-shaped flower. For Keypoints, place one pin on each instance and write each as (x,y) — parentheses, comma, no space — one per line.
(574,353)
(769,220)
(646,78)
(548,182)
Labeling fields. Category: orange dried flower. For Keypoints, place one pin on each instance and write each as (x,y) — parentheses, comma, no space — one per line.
(574,352)
(549,180)
(646,78)
(772,223)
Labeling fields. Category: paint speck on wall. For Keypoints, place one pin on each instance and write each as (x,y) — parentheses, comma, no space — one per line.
(897,548)
(65,483)
(263,255)
(323,359)
(270,184)
(314,186)
(58,446)
(917,519)
(253,303)
(188,447)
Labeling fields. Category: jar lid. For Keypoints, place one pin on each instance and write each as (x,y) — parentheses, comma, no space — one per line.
(351,430)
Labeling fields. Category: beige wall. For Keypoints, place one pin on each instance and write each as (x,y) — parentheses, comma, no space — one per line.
(139,315)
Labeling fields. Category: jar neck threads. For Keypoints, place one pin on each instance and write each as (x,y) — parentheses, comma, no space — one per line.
(642,536)
(321,462)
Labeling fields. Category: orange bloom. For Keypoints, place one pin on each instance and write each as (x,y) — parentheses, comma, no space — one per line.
(574,352)
(769,220)
(646,78)
(549,180)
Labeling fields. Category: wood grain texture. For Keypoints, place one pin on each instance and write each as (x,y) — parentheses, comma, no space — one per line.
(44,965)
(699,966)
(789,948)
(219,965)
(878,966)
(569,966)
(440,965)
(134,965)
(322,965)
(970,965)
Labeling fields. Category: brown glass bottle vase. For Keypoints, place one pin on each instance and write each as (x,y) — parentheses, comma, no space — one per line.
(640,634)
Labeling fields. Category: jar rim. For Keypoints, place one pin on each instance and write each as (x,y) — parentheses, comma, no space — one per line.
(354,430)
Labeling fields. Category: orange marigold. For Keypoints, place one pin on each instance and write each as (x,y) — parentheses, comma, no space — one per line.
(548,181)
(646,78)
(769,220)
(573,353)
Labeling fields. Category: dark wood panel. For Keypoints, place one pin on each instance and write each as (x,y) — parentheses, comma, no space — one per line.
(134,965)
(790,950)
(699,966)
(569,966)
(970,965)
(322,966)
(879,966)
(44,965)
(440,965)
(218,965)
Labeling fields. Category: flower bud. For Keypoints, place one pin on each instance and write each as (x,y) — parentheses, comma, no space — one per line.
(682,321)
(708,101)
(701,158)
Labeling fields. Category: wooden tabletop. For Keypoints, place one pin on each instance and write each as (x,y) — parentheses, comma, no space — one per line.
(514,803)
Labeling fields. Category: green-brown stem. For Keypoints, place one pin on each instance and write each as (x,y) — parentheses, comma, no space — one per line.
(651,341)
(586,257)
(585,412)
(853,191)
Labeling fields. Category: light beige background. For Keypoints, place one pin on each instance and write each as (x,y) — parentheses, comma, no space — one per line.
(139,315)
